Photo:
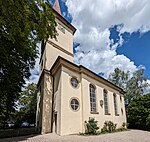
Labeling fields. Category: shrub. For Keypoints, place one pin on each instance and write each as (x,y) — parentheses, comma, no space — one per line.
(139,113)
(91,126)
(123,128)
(108,127)
(124,125)
(120,129)
(148,121)
(5,133)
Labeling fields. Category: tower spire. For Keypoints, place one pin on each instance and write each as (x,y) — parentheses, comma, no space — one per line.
(57,6)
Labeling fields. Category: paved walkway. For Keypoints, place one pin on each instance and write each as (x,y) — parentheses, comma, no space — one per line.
(127,136)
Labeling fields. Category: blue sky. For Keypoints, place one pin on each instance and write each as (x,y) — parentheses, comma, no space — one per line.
(110,34)
(137,48)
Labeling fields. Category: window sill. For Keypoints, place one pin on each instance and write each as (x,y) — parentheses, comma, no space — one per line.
(94,112)
(107,114)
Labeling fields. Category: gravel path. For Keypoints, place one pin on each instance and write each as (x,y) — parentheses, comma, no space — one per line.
(127,136)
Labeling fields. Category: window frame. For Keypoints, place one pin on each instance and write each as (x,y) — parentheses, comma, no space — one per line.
(74,104)
(106,102)
(115,104)
(120,98)
(73,84)
(122,111)
(93,104)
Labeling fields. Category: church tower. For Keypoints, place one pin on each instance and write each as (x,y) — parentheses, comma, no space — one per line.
(62,46)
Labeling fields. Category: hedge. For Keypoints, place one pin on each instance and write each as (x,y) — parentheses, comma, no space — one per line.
(5,133)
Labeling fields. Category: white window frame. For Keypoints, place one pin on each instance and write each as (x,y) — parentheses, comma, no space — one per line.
(106,107)
(115,104)
(93,105)
(74,105)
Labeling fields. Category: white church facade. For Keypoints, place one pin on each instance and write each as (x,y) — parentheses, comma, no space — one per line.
(69,94)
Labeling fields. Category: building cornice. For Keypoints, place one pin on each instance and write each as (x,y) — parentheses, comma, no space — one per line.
(81,69)
(60,48)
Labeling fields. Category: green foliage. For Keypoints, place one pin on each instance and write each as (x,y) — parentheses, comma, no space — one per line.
(23,24)
(27,101)
(119,78)
(139,112)
(148,121)
(26,105)
(91,126)
(108,127)
(5,133)
(133,86)
(124,125)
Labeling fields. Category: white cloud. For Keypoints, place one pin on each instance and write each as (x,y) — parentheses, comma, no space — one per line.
(134,14)
(104,61)
(93,19)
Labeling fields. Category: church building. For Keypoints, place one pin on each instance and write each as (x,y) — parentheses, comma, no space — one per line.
(70,94)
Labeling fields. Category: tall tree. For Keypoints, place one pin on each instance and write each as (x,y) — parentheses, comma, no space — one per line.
(27,103)
(119,78)
(136,85)
(23,24)
(133,86)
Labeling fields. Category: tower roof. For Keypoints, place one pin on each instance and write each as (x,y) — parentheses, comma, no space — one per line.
(57,6)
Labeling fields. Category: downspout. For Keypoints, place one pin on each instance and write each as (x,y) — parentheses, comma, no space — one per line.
(82,101)
(52,116)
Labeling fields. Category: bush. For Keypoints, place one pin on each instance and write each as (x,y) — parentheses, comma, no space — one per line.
(124,125)
(139,113)
(108,127)
(4,133)
(148,121)
(91,126)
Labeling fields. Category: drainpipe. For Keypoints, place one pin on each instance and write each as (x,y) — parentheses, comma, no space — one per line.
(82,100)
(52,117)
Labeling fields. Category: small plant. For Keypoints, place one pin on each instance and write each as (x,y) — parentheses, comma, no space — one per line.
(108,127)
(91,126)
(124,125)
(123,128)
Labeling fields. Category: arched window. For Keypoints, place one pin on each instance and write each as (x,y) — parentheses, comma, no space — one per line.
(115,104)
(106,101)
(92,98)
